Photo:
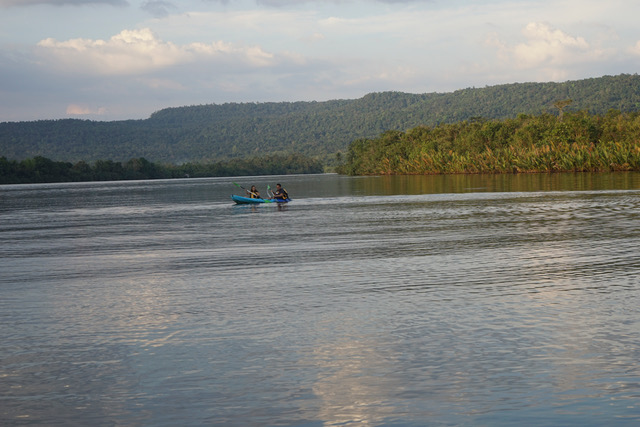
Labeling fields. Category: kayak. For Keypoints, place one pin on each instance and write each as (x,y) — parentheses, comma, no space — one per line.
(249,201)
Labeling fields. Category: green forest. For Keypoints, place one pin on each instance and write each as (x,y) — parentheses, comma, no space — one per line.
(213,133)
(570,142)
(42,170)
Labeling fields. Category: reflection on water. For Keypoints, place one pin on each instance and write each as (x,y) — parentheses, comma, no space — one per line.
(351,390)
(457,300)
(439,184)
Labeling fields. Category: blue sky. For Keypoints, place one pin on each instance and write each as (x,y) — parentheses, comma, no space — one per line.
(125,59)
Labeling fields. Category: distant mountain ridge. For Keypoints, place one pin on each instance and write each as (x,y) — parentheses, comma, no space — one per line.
(234,130)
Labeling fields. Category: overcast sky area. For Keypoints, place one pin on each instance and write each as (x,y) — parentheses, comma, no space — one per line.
(125,59)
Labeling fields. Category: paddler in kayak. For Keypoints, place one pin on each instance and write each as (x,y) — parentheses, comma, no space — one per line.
(280,193)
(253,193)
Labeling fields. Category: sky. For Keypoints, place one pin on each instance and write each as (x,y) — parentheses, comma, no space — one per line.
(125,59)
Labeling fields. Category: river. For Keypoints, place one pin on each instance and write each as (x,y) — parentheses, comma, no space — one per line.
(380,301)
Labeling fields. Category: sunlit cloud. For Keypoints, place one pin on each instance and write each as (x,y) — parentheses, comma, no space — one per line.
(545,44)
(549,50)
(83,110)
(55,52)
(140,51)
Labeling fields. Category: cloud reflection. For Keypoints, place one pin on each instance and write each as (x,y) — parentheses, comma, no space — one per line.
(351,391)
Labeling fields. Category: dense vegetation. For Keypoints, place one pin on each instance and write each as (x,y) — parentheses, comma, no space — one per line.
(578,141)
(41,169)
(318,129)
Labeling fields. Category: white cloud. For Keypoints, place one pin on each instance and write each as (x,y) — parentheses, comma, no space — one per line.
(546,45)
(134,52)
(551,51)
(200,51)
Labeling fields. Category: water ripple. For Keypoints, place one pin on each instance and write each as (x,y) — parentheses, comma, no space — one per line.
(164,304)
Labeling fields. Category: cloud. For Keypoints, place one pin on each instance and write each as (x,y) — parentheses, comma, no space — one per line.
(135,52)
(204,51)
(635,50)
(547,45)
(17,3)
(158,8)
(83,110)
(545,48)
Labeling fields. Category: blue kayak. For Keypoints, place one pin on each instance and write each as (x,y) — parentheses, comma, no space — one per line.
(249,201)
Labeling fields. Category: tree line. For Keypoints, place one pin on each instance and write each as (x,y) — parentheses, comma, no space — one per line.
(43,170)
(577,142)
(213,132)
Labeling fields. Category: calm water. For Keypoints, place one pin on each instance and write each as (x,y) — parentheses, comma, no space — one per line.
(402,301)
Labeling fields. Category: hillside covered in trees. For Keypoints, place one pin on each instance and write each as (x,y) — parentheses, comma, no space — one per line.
(575,142)
(209,133)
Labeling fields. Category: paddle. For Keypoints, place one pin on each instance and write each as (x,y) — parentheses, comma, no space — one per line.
(247,190)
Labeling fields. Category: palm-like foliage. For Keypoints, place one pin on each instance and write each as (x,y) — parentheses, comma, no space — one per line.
(579,142)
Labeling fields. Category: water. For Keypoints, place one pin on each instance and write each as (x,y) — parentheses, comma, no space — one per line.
(396,301)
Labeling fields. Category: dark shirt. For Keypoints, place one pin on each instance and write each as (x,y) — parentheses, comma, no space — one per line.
(280,194)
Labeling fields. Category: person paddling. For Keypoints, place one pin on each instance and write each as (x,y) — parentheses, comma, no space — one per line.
(253,193)
(280,193)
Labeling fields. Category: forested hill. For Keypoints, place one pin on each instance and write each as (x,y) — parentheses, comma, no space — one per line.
(218,132)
